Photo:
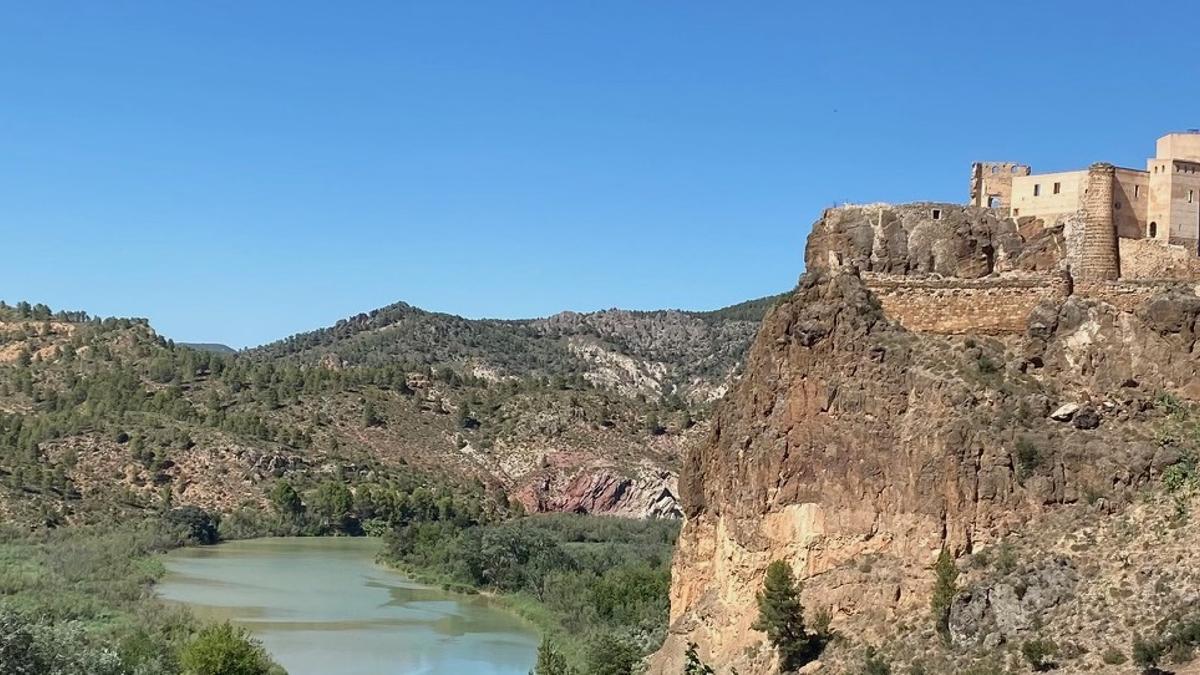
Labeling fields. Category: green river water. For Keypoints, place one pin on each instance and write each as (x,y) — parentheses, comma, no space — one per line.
(322,606)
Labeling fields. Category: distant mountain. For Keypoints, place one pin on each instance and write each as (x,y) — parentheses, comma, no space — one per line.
(651,353)
(214,347)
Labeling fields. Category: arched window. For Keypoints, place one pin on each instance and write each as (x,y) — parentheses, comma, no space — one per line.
(1153,229)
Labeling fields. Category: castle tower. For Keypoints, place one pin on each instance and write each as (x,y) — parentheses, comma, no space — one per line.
(1099,258)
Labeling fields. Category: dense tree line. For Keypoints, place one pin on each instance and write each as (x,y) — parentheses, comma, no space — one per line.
(604,581)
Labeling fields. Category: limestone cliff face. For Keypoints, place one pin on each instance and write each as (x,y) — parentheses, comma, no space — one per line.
(856,450)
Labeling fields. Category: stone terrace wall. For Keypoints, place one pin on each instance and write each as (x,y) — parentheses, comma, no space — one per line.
(1125,295)
(990,306)
(1149,259)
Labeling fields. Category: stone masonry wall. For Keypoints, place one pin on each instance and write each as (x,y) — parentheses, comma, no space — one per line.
(1099,255)
(1152,259)
(1125,295)
(992,305)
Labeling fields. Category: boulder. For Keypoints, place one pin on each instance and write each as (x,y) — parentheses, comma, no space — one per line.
(1086,418)
(1065,412)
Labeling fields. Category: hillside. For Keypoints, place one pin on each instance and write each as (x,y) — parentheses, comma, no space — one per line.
(577,412)
(653,354)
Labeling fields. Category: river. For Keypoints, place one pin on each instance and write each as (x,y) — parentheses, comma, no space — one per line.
(321,606)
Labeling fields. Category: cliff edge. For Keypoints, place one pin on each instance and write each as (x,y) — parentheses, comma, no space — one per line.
(857,449)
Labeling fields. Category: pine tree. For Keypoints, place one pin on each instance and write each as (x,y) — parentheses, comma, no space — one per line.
(370,418)
(781,617)
(550,661)
(945,576)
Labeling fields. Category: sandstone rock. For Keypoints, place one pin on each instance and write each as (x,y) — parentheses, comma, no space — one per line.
(916,452)
(964,241)
(1065,412)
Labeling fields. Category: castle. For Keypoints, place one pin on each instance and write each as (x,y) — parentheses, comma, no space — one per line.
(1104,233)
(1160,204)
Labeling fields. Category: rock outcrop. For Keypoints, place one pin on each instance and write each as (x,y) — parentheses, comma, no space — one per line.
(962,241)
(857,450)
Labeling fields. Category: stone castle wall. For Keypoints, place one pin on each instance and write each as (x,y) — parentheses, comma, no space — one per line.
(991,306)
(946,269)
(1150,259)
(1126,296)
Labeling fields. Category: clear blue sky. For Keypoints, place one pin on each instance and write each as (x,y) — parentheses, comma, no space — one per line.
(241,171)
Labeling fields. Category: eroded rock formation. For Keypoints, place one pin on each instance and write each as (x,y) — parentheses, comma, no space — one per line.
(856,450)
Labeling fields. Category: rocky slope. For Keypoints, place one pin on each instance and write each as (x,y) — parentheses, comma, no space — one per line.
(577,412)
(856,451)
(654,354)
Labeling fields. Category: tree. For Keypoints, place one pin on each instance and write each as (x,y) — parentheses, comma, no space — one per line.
(286,500)
(222,649)
(944,589)
(550,661)
(781,617)
(334,504)
(370,417)
(197,524)
(610,655)
(692,663)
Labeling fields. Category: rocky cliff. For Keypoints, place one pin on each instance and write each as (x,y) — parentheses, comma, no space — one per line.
(856,450)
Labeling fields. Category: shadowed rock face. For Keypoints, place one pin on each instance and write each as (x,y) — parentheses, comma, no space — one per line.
(963,241)
(850,439)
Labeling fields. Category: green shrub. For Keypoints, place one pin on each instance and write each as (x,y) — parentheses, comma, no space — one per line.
(1113,656)
(1029,458)
(1146,653)
(1038,653)
(222,649)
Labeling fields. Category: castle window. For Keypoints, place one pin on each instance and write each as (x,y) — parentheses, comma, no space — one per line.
(937,214)
(1016,212)
(1153,229)
(1191,195)
(1137,191)
(994,201)
(1037,189)
(995,170)
(1117,205)
(1014,169)
(1057,188)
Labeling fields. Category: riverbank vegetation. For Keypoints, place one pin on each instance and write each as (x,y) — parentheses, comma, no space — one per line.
(79,600)
(596,586)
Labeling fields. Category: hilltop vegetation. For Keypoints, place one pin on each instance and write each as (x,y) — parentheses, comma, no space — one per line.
(662,352)
(575,412)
